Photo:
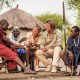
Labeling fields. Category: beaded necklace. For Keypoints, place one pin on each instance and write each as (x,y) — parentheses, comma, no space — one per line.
(76,43)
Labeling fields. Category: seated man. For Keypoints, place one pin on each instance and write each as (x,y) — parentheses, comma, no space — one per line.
(32,44)
(72,53)
(15,37)
(6,52)
(50,46)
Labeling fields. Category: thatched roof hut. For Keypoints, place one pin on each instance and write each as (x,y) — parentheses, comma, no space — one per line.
(20,18)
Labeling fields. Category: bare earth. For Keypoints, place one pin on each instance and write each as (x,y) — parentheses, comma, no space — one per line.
(58,78)
(40,75)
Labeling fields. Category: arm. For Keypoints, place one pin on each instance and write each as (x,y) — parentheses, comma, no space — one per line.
(23,39)
(59,39)
(69,48)
(7,40)
(70,53)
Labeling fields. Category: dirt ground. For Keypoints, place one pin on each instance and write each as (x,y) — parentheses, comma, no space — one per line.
(57,78)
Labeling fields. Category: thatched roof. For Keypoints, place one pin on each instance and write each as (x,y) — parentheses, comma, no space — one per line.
(20,18)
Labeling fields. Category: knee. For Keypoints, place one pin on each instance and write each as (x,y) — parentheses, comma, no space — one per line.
(63,53)
(38,52)
(58,49)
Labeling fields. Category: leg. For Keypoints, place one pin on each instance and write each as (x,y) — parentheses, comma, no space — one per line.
(26,69)
(28,56)
(32,64)
(37,61)
(56,58)
(32,59)
(27,59)
(64,58)
(10,55)
(42,57)
(36,64)
(23,57)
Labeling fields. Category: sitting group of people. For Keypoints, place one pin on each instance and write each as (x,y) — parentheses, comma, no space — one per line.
(40,46)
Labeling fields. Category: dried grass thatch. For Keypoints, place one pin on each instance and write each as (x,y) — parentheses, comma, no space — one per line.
(20,18)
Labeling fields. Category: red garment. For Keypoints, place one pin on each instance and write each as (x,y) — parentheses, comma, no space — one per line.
(1,34)
(8,54)
(11,65)
(5,52)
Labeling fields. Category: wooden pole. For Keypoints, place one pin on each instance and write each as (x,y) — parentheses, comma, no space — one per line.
(64,27)
(64,24)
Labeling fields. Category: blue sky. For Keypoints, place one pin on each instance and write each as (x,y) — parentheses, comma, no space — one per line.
(37,7)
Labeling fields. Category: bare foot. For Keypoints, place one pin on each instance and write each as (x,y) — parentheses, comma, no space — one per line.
(29,71)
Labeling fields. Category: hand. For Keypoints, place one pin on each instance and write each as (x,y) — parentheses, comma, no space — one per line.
(71,55)
(29,44)
(43,49)
(33,43)
(12,47)
(17,45)
(47,47)
(21,46)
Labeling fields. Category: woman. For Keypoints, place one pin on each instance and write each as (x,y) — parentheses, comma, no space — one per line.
(32,44)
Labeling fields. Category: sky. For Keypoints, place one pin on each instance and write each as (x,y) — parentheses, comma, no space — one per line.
(37,7)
